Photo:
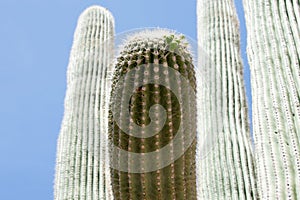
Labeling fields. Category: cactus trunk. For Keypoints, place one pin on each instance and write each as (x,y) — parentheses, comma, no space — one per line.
(274,56)
(145,52)
(81,160)
(227,171)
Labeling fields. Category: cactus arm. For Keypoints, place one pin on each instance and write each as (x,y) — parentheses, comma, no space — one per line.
(227,172)
(80,172)
(273,51)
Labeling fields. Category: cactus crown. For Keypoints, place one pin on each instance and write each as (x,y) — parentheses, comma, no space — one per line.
(154,46)
(156,41)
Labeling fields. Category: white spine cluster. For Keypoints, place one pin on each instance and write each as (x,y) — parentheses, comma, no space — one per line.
(227,171)
(81,166)
(274,55)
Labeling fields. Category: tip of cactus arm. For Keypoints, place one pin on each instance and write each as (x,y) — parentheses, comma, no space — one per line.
(90,12)
(95,8)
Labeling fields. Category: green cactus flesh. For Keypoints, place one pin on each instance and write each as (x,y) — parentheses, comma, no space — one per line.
(178,179)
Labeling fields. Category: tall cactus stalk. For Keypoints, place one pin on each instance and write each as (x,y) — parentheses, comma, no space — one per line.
(81,170)
(274,54)
(227,171)
(152,55)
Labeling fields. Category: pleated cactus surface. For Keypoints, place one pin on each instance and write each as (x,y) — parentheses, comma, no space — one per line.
(227,170)
(274,55)
(81,164)
(158,62)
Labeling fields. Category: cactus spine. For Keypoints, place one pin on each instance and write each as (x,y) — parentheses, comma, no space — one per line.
(228,171)
(81,158)
(177,180)
(274,56)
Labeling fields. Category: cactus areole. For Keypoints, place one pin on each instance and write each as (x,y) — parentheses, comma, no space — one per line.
(152,118)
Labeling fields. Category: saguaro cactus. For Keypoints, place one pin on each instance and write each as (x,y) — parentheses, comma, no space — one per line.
(153,56)
(81,161)
(227,171)
(274,56)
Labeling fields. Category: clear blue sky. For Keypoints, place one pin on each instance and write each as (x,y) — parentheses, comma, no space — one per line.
(35,41)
